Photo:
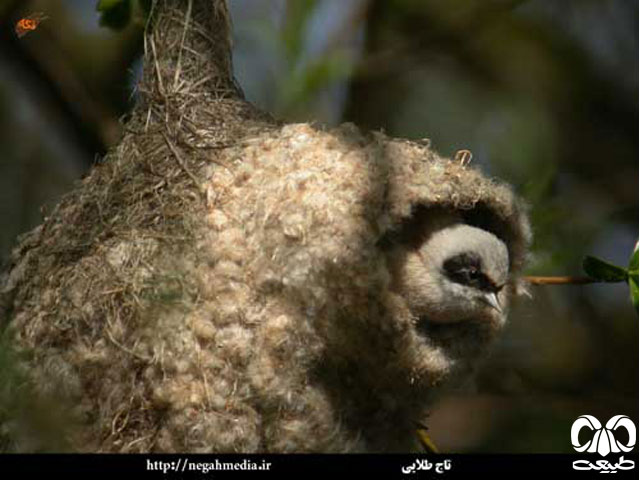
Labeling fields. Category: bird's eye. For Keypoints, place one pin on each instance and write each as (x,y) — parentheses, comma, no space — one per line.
(465,269)
(474,274)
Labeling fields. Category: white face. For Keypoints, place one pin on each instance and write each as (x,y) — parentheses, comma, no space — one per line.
(473,280)
(455,286)
(458,274)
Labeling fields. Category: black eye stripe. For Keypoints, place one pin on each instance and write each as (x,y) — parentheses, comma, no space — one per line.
(466,269)
(463,261)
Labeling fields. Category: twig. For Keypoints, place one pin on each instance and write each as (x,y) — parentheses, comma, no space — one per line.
(180,161)
(157,66)
(127,350)
(184,34)
(566,280)
(463,157)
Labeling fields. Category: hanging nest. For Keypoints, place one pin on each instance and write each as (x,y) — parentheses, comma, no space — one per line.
(219,282)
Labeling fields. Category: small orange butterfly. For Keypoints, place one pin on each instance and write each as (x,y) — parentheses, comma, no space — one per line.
(29,23)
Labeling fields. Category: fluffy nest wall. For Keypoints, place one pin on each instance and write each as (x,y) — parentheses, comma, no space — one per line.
(222,286)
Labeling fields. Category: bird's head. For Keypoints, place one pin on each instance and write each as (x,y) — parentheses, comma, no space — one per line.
(454,280)
(458,273)
(468,270)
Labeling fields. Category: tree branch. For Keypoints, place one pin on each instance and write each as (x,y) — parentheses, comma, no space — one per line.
(563,280)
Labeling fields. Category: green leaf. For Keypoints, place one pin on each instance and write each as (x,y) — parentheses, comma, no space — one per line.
(104,5)
(603,271)
(303,85)
(115,14)
(297,18)
(633,277)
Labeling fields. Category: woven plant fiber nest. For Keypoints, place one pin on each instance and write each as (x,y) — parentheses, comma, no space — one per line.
(220,283)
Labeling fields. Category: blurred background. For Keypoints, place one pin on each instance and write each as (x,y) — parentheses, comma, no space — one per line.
(544,93)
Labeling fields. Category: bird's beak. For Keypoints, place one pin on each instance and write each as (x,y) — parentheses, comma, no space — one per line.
(492,299)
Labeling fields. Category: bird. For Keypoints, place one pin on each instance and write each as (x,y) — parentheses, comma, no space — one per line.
(450,272)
